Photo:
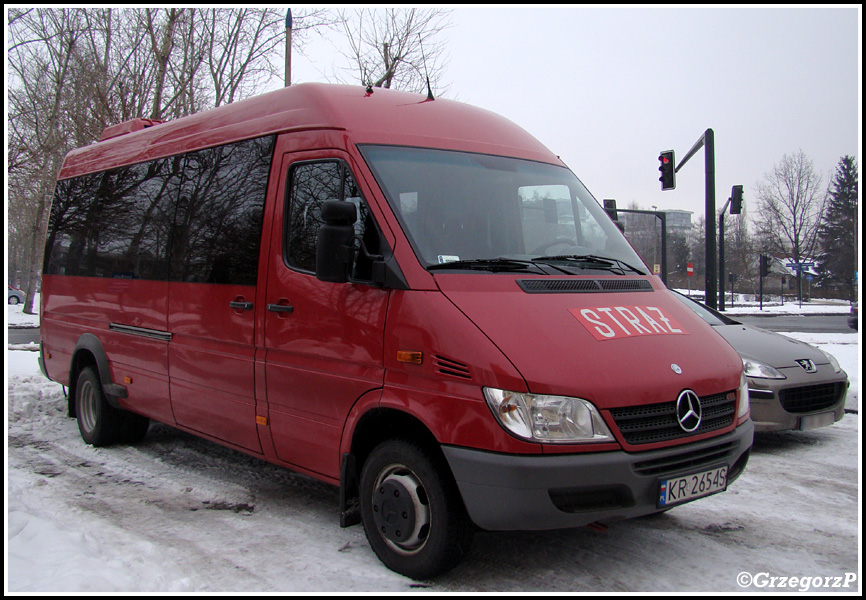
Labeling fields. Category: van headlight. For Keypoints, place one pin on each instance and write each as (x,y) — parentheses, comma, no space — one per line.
(541,418)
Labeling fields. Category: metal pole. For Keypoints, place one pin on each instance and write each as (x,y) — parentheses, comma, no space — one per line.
(761,285)
(722,260)
(289,48)
(710,210)
(664,218)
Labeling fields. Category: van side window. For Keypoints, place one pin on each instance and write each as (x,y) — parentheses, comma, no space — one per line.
(219,213)
(310,185)
(113,224)
(200,212)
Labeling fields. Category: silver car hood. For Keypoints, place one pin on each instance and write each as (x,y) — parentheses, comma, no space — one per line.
(768,347)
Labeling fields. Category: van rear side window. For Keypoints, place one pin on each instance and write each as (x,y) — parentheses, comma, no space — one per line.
(194,218)
(113,224)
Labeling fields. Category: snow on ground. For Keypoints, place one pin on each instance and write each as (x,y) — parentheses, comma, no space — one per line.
(177,514)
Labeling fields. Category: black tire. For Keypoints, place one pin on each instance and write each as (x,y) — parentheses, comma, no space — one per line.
(412,512)
(98,421)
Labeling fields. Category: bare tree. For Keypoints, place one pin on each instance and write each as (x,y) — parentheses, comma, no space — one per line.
(74,71)
(241,48)
(43,45)
(791,201)
(740,254)
(397,47)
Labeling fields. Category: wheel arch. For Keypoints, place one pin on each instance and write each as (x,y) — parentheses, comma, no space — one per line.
(89,352)
(372,428)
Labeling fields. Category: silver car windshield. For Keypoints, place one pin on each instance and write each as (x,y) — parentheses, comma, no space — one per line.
(460,209)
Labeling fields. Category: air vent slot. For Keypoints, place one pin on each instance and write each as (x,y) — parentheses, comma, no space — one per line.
(583,286)
(452,368)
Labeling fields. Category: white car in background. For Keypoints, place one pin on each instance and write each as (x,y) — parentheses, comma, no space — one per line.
(16,296)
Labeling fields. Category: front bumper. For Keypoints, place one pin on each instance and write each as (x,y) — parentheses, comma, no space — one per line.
(508,492)
(799,402)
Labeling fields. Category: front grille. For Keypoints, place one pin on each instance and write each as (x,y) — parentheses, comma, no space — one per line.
(812,397)
(658,422)
(689,459)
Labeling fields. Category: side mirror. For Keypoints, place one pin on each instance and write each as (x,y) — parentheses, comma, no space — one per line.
(334,245)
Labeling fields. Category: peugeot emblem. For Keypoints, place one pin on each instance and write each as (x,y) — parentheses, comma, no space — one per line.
(807,365)
(689,411)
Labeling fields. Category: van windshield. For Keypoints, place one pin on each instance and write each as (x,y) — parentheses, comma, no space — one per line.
(463,210)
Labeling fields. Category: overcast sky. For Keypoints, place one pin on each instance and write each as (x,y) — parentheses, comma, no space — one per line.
(608,88)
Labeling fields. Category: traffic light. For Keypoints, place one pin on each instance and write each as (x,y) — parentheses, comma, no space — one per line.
(765,265)
(666,168)
(736,199)
(610,208)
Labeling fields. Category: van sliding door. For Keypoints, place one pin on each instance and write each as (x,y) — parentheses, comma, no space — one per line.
(211,317)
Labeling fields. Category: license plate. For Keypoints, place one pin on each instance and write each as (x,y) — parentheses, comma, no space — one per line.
(682,489)
(813,421)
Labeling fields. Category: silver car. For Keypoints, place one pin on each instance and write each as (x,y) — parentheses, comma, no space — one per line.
(792,385)
(16,296)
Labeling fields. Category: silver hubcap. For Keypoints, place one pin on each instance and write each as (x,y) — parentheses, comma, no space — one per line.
(87,406)
(401,509)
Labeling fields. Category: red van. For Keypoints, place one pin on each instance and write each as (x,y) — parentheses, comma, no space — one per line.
(411,299)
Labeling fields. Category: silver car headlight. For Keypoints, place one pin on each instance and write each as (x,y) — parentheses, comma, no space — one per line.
(744,398)
(542,418)
(759,370)
(833,362)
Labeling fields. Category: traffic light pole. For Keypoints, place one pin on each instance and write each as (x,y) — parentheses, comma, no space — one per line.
(707,141)
(722,257)
(761,287)
(763,271)
(736,204)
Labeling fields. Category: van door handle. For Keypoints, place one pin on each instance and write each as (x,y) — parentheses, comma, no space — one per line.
(241,305)
(281,308)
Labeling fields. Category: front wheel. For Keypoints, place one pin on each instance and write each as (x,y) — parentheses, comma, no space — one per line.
(412,511)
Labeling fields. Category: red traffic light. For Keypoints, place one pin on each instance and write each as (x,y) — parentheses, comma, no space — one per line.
(668,177)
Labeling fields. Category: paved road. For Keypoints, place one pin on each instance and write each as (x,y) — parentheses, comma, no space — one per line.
(799,323)
(23,336)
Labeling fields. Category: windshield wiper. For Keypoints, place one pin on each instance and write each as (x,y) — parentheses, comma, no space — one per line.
(490,264)
(591,261)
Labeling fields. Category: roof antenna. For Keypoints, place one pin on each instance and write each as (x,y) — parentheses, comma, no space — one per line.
(424,60)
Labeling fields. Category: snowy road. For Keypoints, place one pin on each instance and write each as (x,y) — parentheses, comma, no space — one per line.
(178,514)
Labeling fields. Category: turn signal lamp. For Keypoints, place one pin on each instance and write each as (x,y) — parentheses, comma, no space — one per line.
(410,356)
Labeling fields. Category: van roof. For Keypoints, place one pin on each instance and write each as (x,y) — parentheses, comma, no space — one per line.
(377,116)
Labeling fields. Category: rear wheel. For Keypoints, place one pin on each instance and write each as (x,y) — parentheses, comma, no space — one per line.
(100,423)
(412,511)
